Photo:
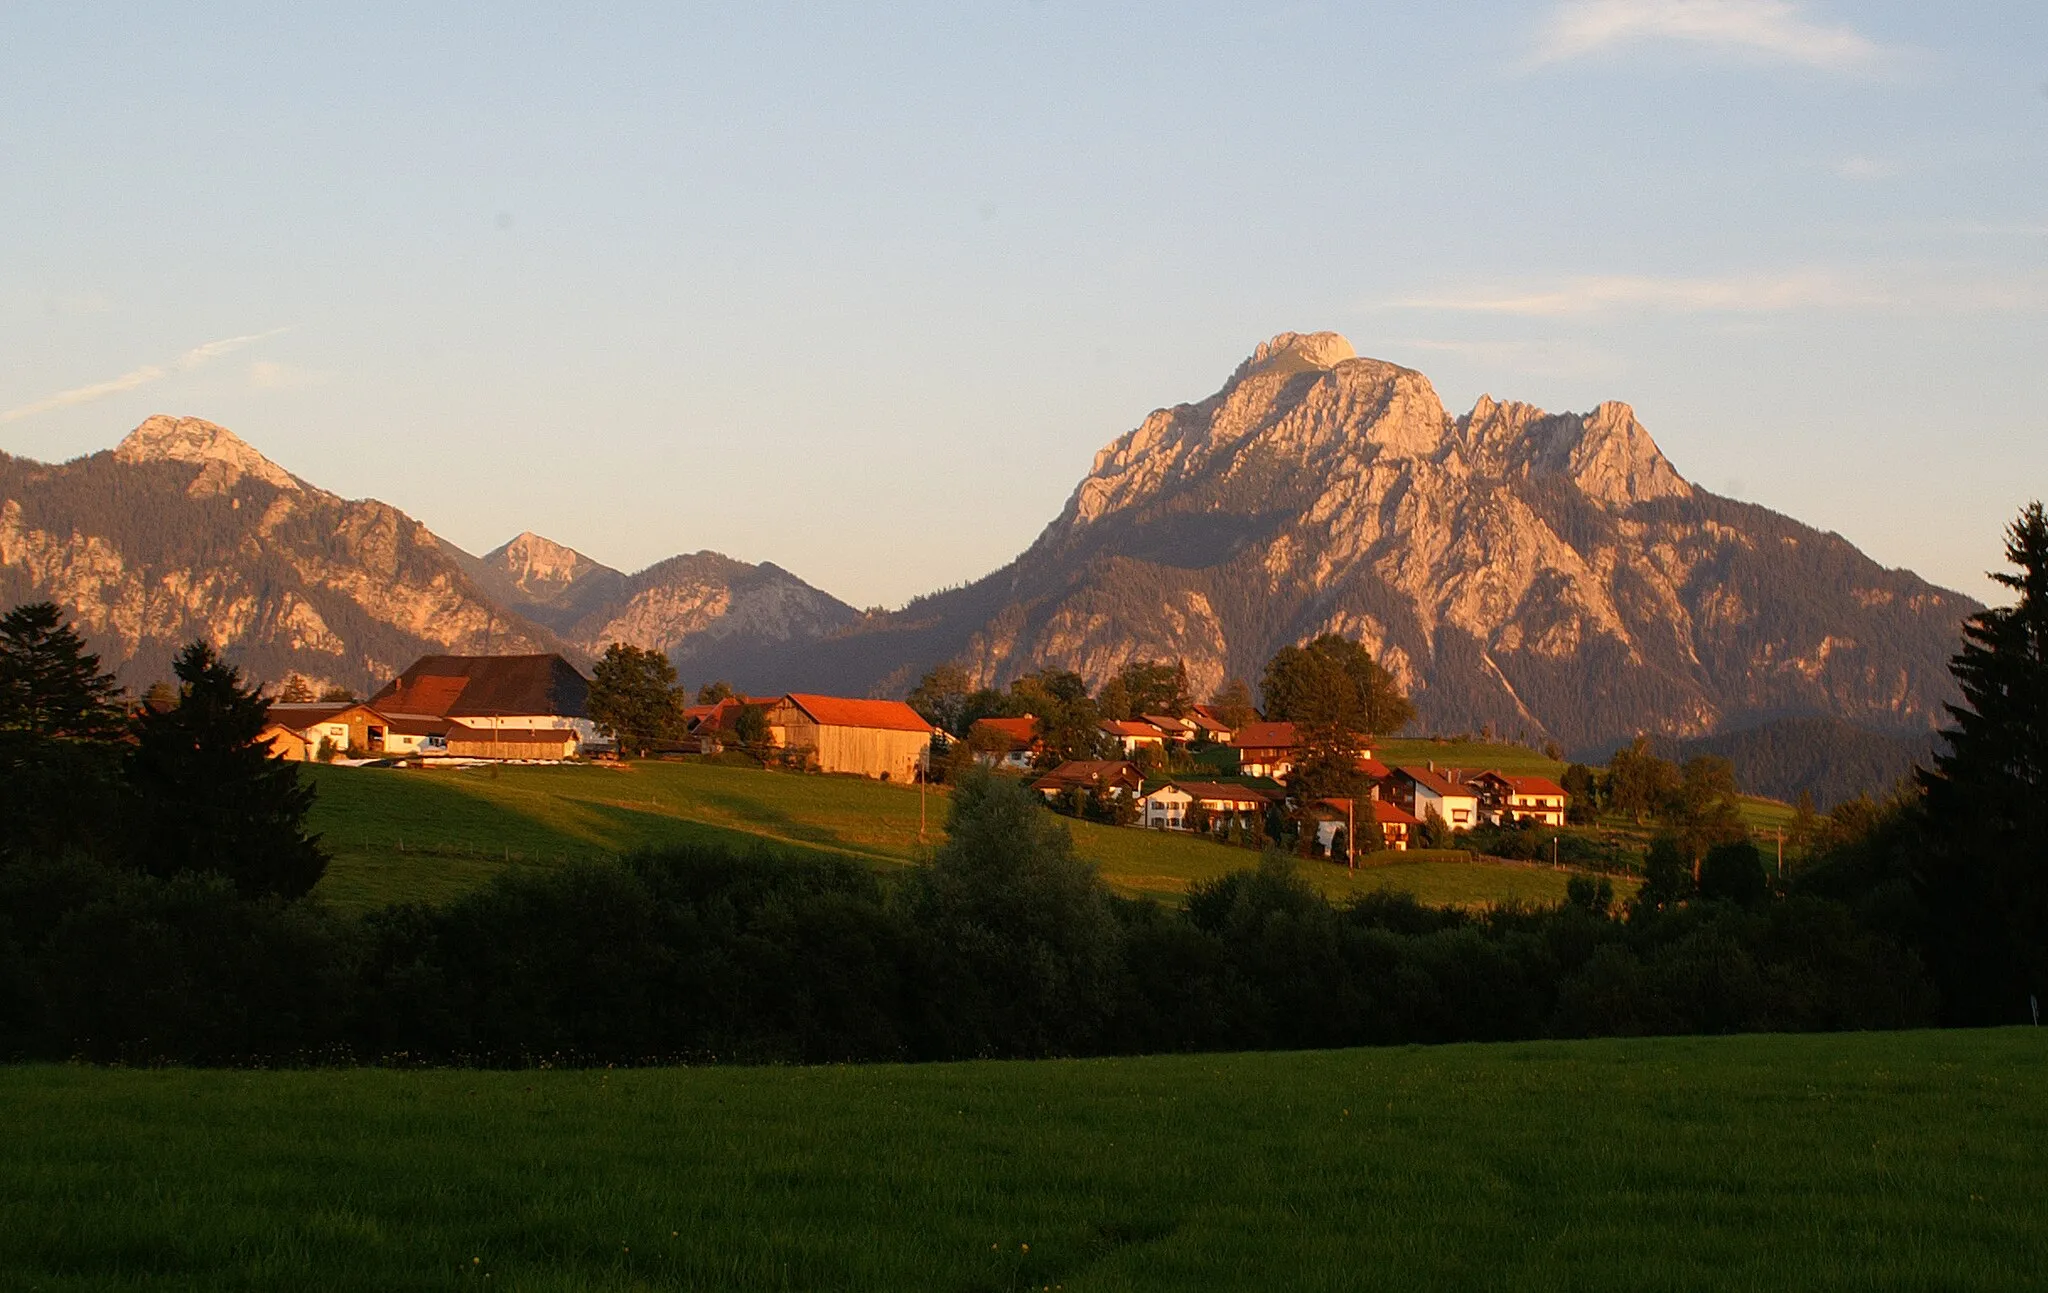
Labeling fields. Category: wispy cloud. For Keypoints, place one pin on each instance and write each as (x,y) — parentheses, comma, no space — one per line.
(1555,358)
(137,377)
(1744,294)
(269,375)
(1776,29)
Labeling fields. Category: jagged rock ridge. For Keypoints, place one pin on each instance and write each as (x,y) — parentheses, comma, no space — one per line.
(712,615)
(1546,574)
(184,531)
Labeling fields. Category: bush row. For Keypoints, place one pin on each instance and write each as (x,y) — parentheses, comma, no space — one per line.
(1004,945)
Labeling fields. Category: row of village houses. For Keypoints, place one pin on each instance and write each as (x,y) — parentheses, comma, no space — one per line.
(535,707)
(1400,799)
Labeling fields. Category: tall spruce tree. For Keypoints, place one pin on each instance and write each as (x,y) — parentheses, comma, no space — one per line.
(1986,876)
(50,685)
(59,715)
(210,797)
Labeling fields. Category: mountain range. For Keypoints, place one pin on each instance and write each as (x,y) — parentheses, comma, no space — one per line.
(1550,576)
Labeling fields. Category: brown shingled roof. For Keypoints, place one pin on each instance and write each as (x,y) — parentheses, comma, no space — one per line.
(480,686)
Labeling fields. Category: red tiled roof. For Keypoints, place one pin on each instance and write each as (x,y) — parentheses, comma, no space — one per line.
(1434,782)
(1264,736)
(1208,724)
(1086,772)
(1387,814)
(1019,731)
(1375,769)
(1167,722)
(842,711)
(1214,790)
(1531,785)
(1131,727)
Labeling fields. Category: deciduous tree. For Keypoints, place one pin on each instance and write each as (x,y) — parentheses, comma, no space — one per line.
(1334,682)
(634,698)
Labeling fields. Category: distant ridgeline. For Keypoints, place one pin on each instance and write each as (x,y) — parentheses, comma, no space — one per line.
(1550,577)
(1827,758)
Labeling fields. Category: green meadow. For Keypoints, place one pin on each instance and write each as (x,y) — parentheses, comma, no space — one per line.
(411,835)
(1847,1161)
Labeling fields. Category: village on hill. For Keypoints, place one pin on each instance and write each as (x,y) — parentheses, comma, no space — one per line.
(1218,770)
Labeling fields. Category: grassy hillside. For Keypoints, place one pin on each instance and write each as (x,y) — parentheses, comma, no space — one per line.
(1857,1161)
(408,835)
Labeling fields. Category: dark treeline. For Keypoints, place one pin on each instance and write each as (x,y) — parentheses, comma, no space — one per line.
(153,873)
(1005,944)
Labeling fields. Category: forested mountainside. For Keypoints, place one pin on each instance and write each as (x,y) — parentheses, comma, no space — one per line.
(1827,758)
(715,617)
(184,531)
(1550,575)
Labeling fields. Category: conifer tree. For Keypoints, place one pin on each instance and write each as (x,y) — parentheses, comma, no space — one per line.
(210,797)
(50,685)
(1986,881)
(59,783)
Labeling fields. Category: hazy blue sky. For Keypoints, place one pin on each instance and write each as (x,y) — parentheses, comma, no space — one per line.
(860,289)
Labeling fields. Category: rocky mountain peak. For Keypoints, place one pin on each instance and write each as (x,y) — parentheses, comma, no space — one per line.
(1294,352)
(223,456)
(1607,453)
(531,560)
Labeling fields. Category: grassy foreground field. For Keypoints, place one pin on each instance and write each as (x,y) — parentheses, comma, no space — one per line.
(1864,1161)
(406,835)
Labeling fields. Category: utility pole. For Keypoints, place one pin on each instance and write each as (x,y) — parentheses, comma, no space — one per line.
(1553,852)
(924,776)
(1351,834)
(1781,853)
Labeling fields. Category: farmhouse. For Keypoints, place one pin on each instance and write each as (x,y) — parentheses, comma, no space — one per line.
(297,731)
(710,728)
(1510,798)
(1175,729)
(1422,791)
(493,693)
(1131,734)
(1173,806)
(1265,749)
(1012,744)
(868,738)
(1115,777)
(1332,815)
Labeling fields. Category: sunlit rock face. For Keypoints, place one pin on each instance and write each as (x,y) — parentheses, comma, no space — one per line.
(1548,575)
(184,531)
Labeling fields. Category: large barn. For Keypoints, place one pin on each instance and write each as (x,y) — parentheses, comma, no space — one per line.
(870,738)
(493,694)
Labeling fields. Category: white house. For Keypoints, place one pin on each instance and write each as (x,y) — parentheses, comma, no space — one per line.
(1422,791)
(1171,805)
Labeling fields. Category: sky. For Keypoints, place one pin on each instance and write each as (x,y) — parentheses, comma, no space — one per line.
(860,289)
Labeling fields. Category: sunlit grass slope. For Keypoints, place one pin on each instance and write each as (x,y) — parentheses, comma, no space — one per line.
(1871,1161)
(400,835)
